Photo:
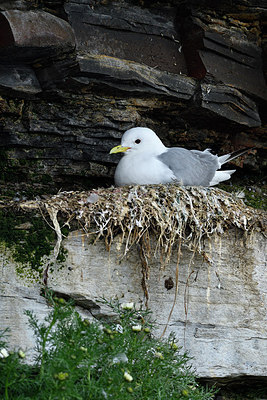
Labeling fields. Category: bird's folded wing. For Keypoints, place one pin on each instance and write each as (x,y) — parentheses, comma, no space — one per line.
(191,167)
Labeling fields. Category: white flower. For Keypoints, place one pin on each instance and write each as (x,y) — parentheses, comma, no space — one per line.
(4,353)
(128,377)
(137,328)
(127,306)
(120,357)
(119,328)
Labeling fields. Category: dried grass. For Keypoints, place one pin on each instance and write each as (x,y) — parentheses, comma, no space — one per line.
(168,212)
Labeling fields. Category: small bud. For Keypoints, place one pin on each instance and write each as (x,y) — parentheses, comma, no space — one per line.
(83,349)
(159,355)
(86,322)
(108,331)
(192,387)
(127,377)
(62,376)
(130,389)
(21,354)
(147,330)
(174,346)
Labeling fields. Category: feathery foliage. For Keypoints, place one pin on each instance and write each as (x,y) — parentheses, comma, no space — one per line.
(81,359)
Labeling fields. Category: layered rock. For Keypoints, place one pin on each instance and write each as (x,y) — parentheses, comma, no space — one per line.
(71,87)
(29,39)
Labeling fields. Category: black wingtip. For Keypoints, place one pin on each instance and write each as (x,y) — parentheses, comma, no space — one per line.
(239,153)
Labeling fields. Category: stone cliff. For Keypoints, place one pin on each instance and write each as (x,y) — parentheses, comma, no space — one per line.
(204,278)
(74,75)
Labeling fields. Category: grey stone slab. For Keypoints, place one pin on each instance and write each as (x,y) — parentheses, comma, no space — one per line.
(224,326)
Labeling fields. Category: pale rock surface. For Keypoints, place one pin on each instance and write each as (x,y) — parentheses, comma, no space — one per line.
(225,326)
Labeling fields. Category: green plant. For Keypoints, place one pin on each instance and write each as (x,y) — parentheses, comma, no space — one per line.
(253,196)
(79,359)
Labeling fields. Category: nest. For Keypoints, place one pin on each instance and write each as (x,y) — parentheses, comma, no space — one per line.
(168,212)
(173,215)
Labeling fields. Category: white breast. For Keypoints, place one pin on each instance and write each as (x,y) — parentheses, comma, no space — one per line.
(139,170)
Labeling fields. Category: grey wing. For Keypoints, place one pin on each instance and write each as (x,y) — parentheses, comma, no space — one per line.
(191,167)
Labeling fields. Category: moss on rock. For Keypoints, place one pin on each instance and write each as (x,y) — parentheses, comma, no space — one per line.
(29,240)
(253,196)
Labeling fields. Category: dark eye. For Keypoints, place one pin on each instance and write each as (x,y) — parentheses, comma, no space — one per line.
(138,141)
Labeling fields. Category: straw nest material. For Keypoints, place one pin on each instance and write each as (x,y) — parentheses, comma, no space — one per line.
(168,212)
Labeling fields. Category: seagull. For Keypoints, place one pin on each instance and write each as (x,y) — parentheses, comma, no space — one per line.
(147,161)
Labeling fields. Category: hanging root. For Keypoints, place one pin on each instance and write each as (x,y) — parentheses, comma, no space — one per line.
(53,216)
(144,256)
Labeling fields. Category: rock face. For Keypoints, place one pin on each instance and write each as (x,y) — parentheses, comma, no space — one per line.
(220,310)
(224,51)
(37,31)
(75,75)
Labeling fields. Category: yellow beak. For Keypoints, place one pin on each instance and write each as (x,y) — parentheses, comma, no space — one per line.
(118,149)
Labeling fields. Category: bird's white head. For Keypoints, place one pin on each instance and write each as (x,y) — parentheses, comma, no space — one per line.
(141,140)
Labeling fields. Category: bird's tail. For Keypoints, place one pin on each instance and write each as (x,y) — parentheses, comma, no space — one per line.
(231,156)
(221,176)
